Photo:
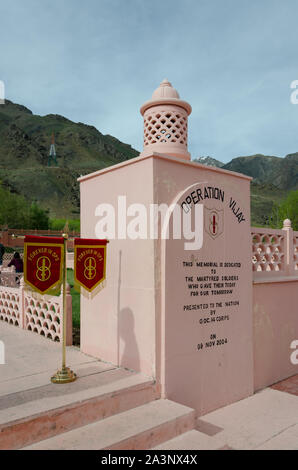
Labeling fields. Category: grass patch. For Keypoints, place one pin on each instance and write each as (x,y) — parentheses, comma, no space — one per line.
(59,224)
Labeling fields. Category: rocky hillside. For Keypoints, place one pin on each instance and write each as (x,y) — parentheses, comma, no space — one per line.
(272,177)
(264,169)
(209,161)
(24,147)
(25,140)
(280,172)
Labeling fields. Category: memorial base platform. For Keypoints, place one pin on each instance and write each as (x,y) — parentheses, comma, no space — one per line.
(113,408)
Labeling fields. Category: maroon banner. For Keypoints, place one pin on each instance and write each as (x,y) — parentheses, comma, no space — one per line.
(89,262)
(43,262)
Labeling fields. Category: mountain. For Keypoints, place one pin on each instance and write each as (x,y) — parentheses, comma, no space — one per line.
(25,140)
(280,172)
(272,177)
(24,147)
(209,161)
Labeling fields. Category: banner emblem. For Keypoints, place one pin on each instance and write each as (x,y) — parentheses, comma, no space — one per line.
(43,272)
(89,262)
(90,268)
(43,262)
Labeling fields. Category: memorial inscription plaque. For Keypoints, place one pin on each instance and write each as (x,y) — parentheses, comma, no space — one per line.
(207,303)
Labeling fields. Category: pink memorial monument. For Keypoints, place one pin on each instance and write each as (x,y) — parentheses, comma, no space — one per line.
(177,305)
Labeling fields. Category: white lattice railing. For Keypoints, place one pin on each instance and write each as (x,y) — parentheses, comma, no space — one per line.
(267,250)
(10,307)
(41,314)
(9,277)
(274,252)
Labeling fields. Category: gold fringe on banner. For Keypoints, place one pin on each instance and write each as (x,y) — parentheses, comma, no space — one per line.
(89,295)
(55,291)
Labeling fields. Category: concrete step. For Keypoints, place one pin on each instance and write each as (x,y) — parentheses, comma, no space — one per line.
(192,440)
(142,427)
(39,409)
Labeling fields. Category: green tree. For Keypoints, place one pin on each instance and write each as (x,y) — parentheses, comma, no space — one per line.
(16,212)
(38,218)
(287,209)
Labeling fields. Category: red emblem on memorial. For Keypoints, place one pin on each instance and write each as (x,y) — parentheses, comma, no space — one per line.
(89,262)
(214,222)
(43,262)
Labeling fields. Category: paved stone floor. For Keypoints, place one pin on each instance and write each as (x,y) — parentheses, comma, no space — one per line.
(30,359)
(289,385)
(266,420)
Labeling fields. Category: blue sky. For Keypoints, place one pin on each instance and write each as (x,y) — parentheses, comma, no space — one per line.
(98,61)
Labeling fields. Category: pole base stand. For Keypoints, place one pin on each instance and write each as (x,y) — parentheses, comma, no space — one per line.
(63,376)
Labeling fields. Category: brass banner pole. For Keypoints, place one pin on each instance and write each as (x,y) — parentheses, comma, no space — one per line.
(65,375)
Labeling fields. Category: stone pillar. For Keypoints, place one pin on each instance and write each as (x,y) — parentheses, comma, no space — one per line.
(22,304)
(289,248)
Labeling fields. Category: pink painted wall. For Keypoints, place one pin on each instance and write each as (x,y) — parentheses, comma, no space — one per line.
(275,315)
(118,324)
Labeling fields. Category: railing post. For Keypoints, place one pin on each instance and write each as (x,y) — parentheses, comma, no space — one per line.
(289,248)
(22,304)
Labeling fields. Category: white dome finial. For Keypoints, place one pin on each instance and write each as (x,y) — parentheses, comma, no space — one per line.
(287,223)
(165,90)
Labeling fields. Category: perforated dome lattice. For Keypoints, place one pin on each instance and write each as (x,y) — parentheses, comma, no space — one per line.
(165,127)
